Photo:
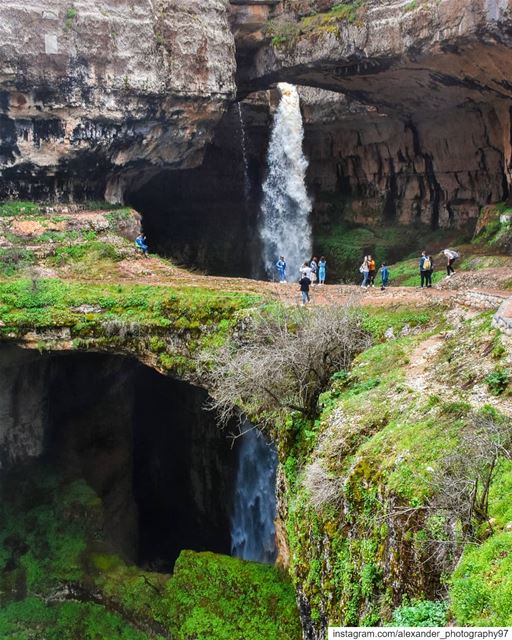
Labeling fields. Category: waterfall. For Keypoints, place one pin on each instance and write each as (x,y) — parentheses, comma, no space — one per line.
(285,227)
(252,524)
(243,144)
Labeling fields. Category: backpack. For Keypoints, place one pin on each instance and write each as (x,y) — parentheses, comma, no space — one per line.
(426,264)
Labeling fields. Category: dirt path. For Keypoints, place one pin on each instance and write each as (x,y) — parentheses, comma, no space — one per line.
(158,272)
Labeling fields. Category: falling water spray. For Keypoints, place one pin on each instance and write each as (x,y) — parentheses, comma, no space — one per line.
(243,144)
(252,523)
(285,227)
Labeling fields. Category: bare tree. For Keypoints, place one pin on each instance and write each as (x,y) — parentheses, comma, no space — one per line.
(463,482)
(460,489)
(283,360)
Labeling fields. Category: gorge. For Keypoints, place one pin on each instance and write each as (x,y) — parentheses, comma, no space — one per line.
(229,132)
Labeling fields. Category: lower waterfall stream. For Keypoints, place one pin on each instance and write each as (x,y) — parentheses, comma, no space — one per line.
(252,523)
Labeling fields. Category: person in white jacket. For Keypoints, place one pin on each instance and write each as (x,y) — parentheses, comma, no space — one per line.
(451,256)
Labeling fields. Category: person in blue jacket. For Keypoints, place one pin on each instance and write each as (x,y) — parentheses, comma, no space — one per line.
(281,269)
(141,244)
(322,265)
(426,269)
(384,274)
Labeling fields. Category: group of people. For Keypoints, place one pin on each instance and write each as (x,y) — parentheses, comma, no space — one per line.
(369,271)
(315,271)
(426,264)
(312,272)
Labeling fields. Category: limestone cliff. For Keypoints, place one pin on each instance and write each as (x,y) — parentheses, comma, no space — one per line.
(95,94)
(436,146)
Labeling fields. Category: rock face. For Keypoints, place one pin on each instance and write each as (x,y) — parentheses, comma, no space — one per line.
(96,94)
(437,145)
(438,169)
(141,440)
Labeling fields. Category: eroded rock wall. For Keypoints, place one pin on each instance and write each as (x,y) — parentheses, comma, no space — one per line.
(438,169)
(431,140)
(97,94)
(144,442)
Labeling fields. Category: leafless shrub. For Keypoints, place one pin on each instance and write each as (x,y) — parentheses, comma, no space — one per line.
(459,491)
(284,360)
(462,485)
(324,489)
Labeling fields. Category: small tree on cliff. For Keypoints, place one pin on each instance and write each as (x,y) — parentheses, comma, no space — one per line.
(282,361)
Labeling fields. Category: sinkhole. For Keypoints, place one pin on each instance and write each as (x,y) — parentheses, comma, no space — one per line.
(168,477)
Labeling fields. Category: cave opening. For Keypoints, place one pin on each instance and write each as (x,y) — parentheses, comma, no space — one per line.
(206,217)
(144,442)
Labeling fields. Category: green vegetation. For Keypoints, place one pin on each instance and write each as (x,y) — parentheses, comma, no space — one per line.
(51,535)
(379,451)
(410,6)
(286,33)
(420,613)
(71,14)
(124,317)
(28,619)
(15,259)
(259,602)
(494,227)
(481,586)
(498,380)
(18,207)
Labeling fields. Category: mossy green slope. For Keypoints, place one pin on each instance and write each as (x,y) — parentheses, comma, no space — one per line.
(359,528)
(59,580)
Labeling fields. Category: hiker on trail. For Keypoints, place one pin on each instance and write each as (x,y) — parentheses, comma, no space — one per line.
(372,271)
(322,266)
(426,269)
(281,269)
(305,270)
(141,244)
(313,265)
(305,282)
(365,270)
(451,256)
(384,274)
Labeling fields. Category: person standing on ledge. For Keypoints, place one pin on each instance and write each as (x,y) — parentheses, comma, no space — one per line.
(384,274)
(365,270)
(430,271)
(451,256)
(281,269)
(313,265)
(322,266)
(305,270)
(372,270)
(305,283)
(141,245)
(425,270)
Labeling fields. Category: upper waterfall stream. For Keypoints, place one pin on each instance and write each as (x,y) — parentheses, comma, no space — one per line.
(285,227)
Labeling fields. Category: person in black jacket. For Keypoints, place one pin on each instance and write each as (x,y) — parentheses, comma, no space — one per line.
(305,283)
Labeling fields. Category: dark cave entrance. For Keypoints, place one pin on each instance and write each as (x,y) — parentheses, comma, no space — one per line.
(207,217)
(144,442)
